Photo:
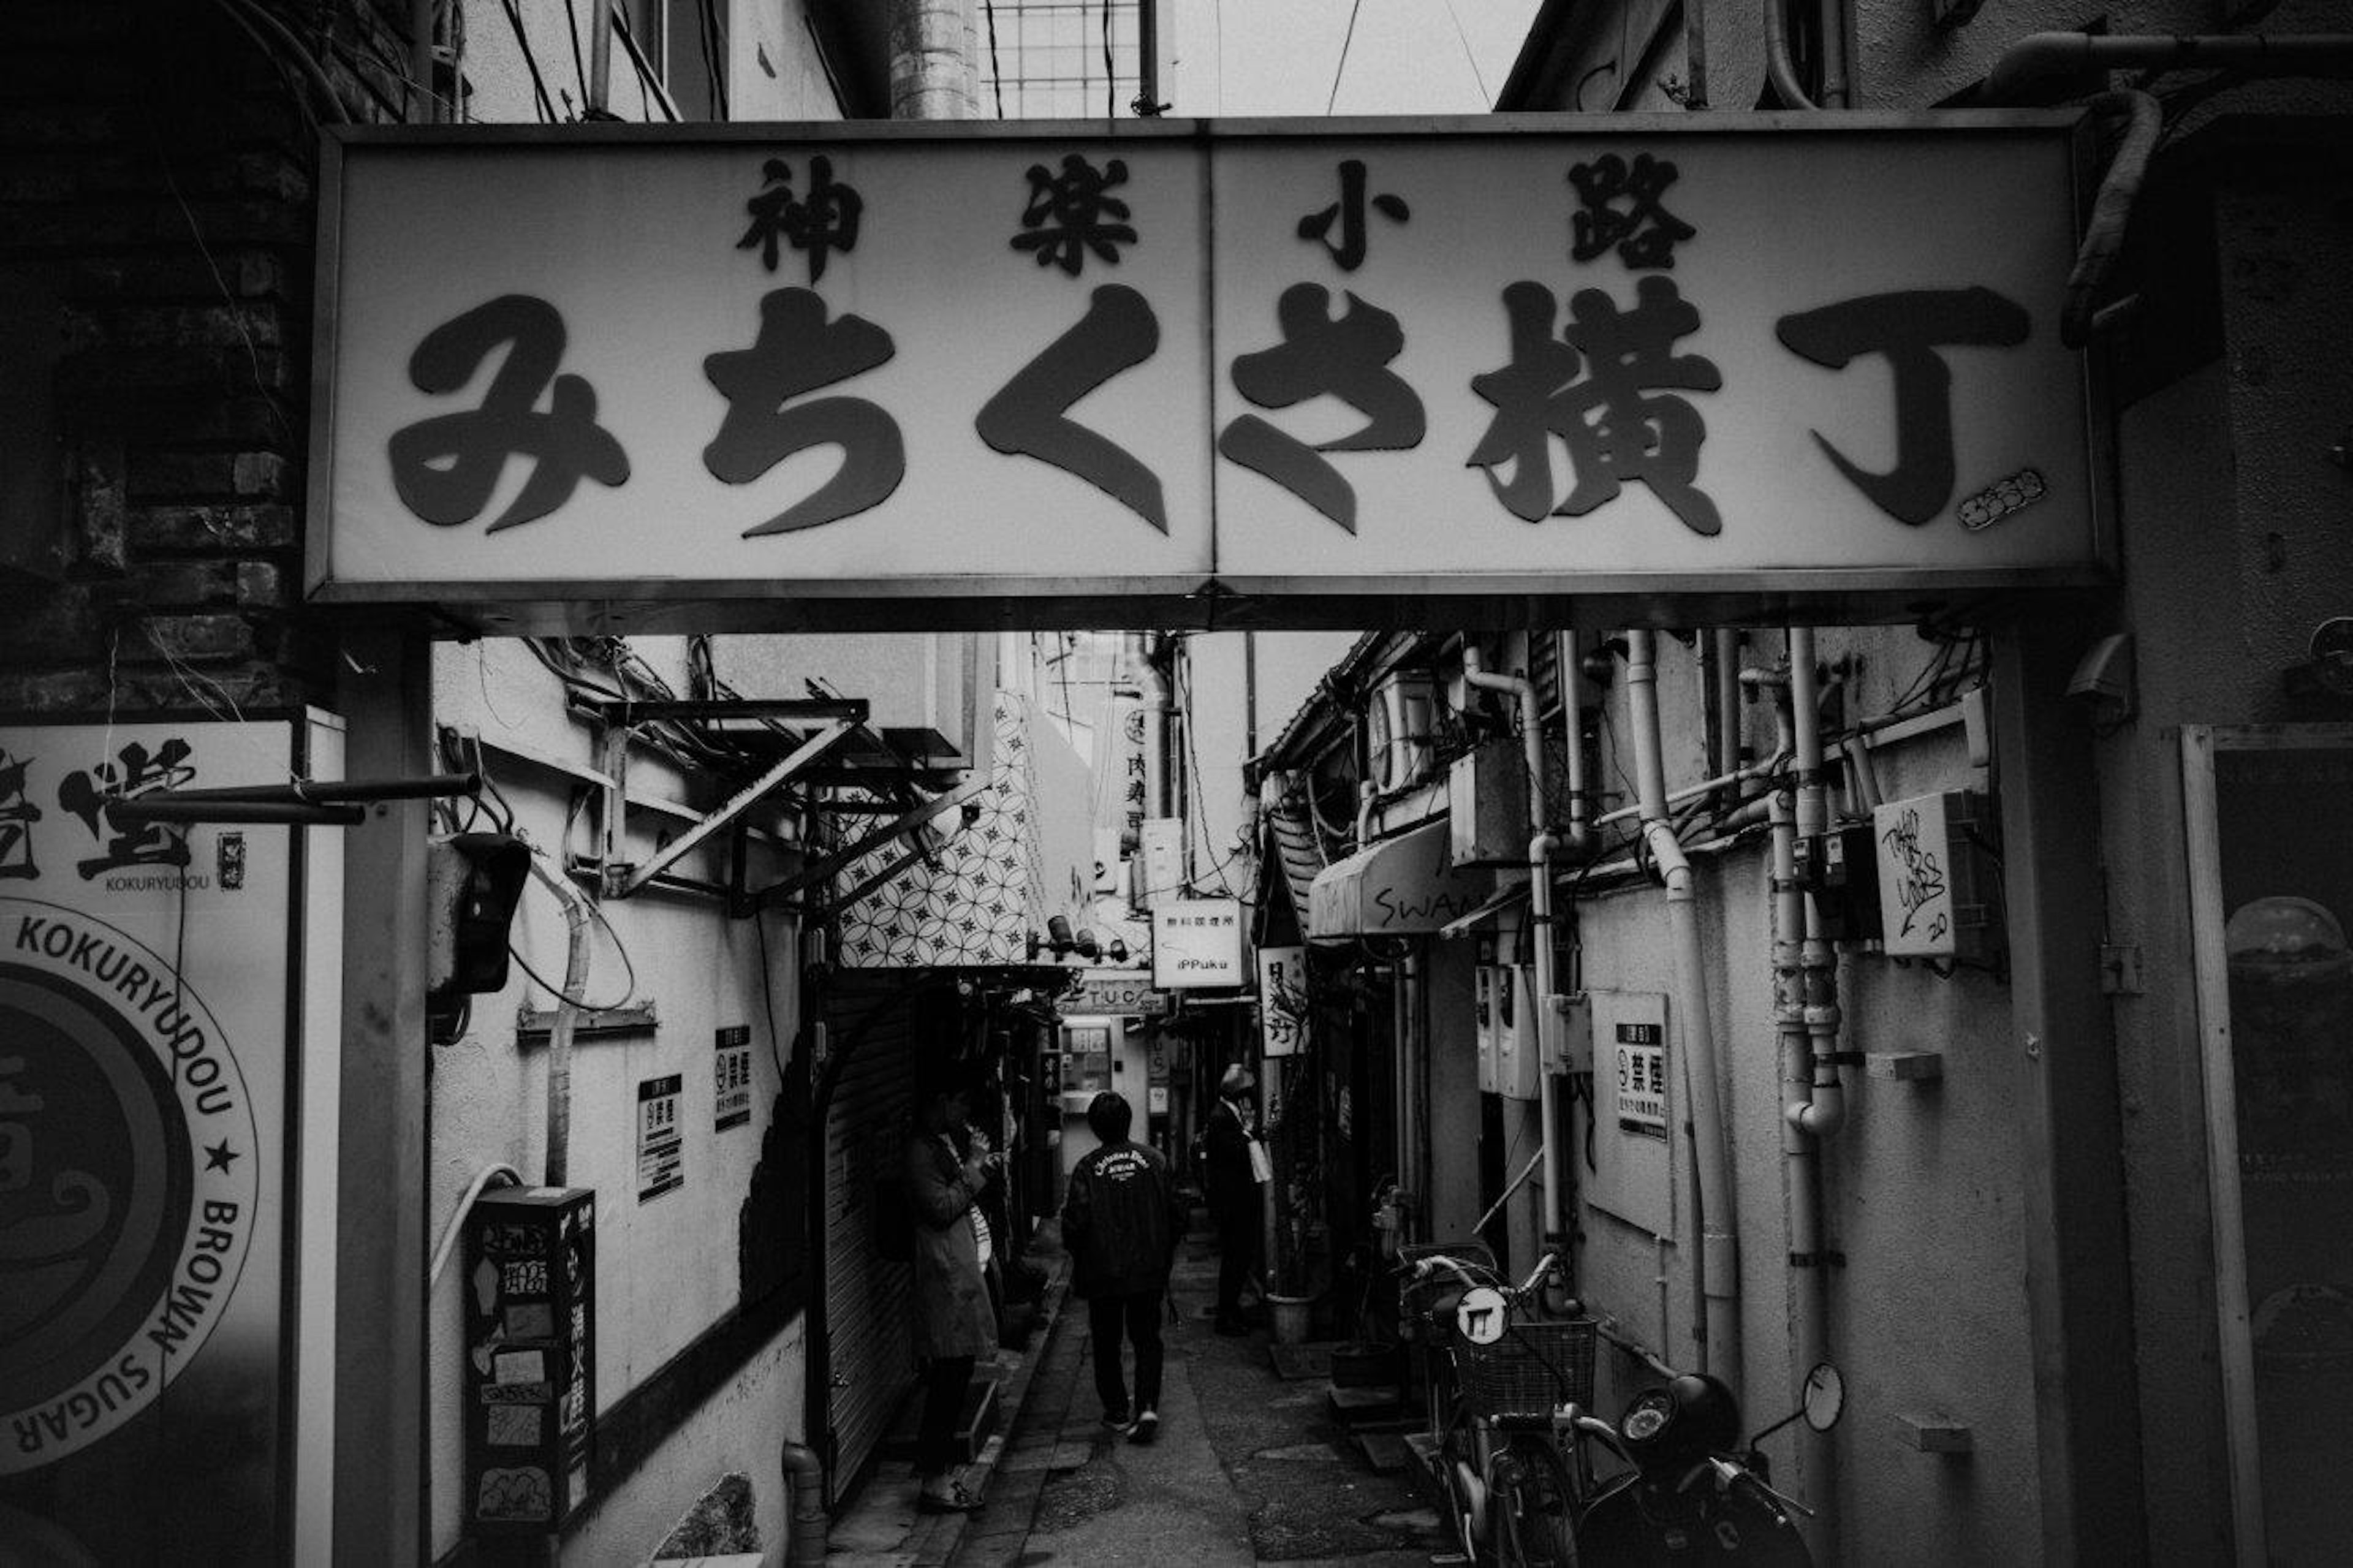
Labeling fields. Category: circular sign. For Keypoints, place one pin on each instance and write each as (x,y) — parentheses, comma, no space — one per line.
(1482,1315)
(128,1173)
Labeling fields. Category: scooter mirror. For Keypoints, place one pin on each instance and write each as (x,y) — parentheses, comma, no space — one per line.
(1825,1397)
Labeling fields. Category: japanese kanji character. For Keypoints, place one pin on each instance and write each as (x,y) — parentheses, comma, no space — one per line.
(1645,234)
(798,350)
(135,772)
(1073,212)
(1589,390)
(1029,415)
(1349,213)
(1346,358)
(826,220)
(1908,326)
(446,467)
(17,816)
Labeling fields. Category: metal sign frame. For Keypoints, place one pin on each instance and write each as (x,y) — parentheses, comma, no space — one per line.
(1824,594)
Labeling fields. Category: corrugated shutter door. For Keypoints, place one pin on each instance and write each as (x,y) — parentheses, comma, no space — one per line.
(866,1299)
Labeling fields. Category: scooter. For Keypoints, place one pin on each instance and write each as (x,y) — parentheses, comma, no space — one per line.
(1696,1494)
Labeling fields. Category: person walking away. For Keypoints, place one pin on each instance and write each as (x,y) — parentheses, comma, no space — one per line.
(954,1325)
(1120,1224)
(1233,1172)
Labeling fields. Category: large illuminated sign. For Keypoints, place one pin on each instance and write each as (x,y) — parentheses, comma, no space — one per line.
(602,371)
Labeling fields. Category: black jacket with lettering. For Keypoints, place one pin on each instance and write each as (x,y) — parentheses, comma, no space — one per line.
(1120,1221)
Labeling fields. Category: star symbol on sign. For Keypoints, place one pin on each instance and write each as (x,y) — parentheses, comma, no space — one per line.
(218,1155)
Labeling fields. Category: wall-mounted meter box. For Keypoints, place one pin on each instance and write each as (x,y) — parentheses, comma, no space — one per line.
(1568,1026)
(1482,991)
(1519,1060)
(531,1358)
(1931,901)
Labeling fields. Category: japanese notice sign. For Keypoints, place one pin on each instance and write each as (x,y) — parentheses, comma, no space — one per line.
(1282,1000)
(1686,353)
(661,1157)
(731,1078)
(1197,943)
(1632,1151)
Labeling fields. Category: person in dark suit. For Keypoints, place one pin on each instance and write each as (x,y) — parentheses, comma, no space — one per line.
(1230,1177)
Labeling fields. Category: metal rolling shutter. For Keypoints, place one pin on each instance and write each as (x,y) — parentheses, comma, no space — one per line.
(866,1298)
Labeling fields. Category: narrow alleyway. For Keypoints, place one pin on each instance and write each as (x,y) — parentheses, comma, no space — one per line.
(1251,1466)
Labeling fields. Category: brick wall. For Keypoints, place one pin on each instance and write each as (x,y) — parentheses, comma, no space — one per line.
(156,164)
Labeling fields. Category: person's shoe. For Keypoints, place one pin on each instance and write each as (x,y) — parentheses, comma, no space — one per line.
(1118,1422)
(1146,1426)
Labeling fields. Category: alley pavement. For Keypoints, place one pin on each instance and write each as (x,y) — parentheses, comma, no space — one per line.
(1250,1466)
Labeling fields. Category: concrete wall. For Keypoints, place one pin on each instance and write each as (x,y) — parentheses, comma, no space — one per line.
(666,1268)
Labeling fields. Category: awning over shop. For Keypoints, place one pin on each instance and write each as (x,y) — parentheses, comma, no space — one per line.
(1404,886)
(1506,899)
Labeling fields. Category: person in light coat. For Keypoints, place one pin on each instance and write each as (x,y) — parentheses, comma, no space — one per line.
(948,1164)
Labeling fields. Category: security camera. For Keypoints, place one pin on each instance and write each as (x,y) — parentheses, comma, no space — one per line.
(2104,677)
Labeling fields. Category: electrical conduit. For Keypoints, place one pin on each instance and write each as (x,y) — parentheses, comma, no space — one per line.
(1719,1258)
(1805,1021)
(567,1017)
(1542,842)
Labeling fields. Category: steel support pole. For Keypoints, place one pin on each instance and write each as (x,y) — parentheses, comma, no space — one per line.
(381,1236)
(2078,1278)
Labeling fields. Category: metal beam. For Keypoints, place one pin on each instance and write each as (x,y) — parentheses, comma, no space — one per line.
(829,734)
(381,1242)
(2078,1281)
(876,881)
(906,822)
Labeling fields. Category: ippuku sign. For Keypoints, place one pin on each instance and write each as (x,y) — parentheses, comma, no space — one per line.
(569,374)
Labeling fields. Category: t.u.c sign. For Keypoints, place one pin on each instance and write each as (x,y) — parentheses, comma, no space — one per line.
(577,376)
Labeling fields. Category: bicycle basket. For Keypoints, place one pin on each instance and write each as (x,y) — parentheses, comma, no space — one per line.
(1537,1365)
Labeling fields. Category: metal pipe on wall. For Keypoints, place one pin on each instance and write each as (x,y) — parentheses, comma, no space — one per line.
(1719,1252)
(567,1019)
(1542,842)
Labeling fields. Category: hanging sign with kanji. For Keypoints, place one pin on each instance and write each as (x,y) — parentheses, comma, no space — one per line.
(579,376)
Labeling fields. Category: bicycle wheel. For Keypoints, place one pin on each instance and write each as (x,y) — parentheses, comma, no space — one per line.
(1458,1481)
(1531,1506)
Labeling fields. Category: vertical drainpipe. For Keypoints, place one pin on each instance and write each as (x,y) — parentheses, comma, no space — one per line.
(1719,1259)
(932,68)
(1542,842)
(1806,1020)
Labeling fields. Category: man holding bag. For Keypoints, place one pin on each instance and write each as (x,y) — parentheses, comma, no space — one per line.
(1237,1163)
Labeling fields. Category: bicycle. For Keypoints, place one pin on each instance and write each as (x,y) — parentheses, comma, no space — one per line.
(1511,1455)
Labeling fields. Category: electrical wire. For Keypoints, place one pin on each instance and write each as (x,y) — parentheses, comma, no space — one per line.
(1345,39)
(996,75)
(1485,96)
(530,61)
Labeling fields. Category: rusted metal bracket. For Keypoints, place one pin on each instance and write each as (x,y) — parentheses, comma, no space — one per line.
(818,872)
(835,720)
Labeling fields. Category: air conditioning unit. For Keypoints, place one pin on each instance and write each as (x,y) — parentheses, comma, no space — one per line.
(1397,726)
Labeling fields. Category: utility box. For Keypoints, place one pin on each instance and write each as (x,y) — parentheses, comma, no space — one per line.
(1519,1061)
(531,1359)
(1487,805)
(1482,991)
(1568,1027)
(1930,854)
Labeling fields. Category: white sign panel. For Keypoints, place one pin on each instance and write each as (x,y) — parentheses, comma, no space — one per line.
(146,1046)
(731,1078)
(1634,1073)
(1282,1000)
(661,1155)
(764,363)
(1113,993)
(1196,943)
